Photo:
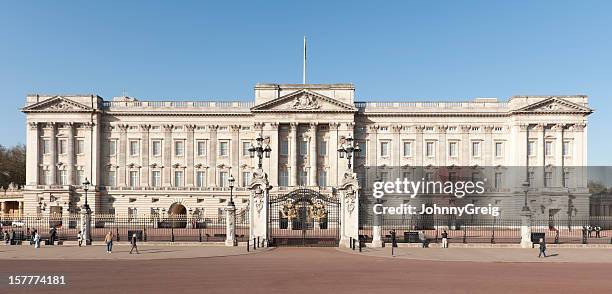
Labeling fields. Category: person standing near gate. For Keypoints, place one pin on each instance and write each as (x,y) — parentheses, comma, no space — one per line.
(80,238)
(444,239)
(542,248)
(134,246)
(36,239)
(52,235)
(393,241)
(109,242)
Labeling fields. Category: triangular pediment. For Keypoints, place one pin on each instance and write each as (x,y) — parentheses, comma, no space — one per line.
(304,101)
(554,105)
(57,104)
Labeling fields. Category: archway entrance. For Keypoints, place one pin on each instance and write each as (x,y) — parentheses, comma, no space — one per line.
(177,215)
(304,217)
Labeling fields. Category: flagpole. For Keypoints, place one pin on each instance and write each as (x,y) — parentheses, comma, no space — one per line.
(304,67)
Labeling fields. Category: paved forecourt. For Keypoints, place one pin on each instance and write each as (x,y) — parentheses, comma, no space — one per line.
(577,255)
(311,270)
(148,251)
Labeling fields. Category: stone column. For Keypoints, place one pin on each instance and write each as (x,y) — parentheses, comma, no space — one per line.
(332,154)
(86,225)
(53,153)
(189,153)
(230,225)
(558,154)
(488,148)
(312,154)
(396,152)
(274,154)
(167,156)
(123,153)
(33,151)
(377,229)
(442,152)
(258,205)
(145,179)
(212,154)
(419,152)
(349,204)
(293,180)
(540,132)
(526,228)
(465,153)
(235,151)
(71,154)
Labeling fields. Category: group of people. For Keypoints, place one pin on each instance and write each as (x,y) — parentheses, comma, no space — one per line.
(422,239)
(108,239)
(588,230)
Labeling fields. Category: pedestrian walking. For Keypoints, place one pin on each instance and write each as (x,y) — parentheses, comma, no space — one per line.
(423,239)
(134,246)
(597,231)
(6,237)
(542,248)
(52,235)
(32,236)
(12,240)
(590,230)
(444,239)
(80,238)
(36,239)
(109,242)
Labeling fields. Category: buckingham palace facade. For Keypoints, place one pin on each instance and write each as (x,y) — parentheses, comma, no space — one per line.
(147,157)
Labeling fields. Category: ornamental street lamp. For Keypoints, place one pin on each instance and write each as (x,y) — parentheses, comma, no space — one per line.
(86,186)
(259,150)
(349,149)
(231,181)
(525,190)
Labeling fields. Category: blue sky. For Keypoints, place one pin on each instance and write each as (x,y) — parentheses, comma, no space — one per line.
(425,50)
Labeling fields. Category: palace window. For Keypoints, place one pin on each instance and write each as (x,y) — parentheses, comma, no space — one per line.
(134,179)
(303,178)
(156,178)
(80,146)
(179,178)
(200,179)
(303,147)
(284,147)
(45,146)
(201,148)
(62,146)
(112,147)
(245,148)
(499,149)
(531,147)
(476,149)
(547,179)
(548,146)
(46,177)
(566,148)
(498,181)
(80,177)
(452,149)
(322,148)
(283,178)
(134,146)
(566,179)
(179,148)
(246,178)
(384,176)
(223,179)
(223,148)
(430,150)
(407,149)
(63,177)
(407,175)
(322,178)
(384,148)
(156,148)
(111,178)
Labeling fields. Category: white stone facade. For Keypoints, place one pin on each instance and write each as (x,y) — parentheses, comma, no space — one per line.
(144,156)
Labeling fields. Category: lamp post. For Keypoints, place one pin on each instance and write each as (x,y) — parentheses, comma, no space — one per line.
(230,216)
(526,220)
(86,215)
(348,149)
(259,150)
(230,182)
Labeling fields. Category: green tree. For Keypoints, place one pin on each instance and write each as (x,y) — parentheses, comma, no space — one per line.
(12,165)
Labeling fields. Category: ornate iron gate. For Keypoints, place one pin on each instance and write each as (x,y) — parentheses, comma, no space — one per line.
(304,217)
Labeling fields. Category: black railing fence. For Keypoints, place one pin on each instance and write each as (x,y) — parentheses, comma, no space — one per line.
(491,230)
(146,228)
